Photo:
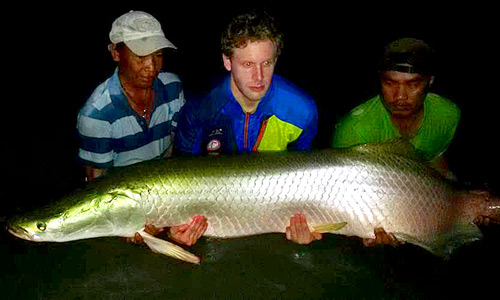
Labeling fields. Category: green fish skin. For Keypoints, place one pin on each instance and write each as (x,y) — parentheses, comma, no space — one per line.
(355,189)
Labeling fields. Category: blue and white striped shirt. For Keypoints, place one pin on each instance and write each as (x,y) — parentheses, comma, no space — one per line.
(113,135)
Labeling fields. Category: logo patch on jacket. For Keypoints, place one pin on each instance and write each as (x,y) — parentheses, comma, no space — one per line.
(215,143)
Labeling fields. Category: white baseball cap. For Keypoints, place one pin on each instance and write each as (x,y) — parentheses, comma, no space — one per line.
(140,31)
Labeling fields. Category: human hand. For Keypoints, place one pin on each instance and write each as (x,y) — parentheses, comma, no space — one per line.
(188,234)
(483,221)
(151,229)
(299,232)
(489,213)
(381,238)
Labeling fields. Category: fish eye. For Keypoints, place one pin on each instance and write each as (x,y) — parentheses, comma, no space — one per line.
(41,226)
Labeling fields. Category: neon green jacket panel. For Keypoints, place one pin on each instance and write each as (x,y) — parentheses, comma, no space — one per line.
(277,135)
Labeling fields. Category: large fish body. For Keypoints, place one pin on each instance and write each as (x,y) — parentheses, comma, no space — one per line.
(365,187)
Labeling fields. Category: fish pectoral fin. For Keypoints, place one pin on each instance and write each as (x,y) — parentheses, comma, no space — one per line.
(167,248)
(328,227)
(406,238)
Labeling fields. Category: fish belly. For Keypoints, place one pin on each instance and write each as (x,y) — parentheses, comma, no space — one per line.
(258,195)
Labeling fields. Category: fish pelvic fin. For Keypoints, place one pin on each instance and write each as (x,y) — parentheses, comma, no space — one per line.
(167,248)
(328,227)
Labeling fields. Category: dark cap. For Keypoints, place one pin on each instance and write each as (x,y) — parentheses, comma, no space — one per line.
(408,55)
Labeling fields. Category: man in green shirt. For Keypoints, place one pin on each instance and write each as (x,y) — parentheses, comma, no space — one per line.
(404,108)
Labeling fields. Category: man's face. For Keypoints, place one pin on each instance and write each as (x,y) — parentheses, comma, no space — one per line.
(140,71)
(252,69)
(403,93)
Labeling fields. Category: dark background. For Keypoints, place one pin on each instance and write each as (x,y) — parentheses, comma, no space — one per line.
(58,54)
(55,55)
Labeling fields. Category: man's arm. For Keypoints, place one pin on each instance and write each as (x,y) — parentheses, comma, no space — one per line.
(305,140)
(188,134)
(441,165)
(96,149)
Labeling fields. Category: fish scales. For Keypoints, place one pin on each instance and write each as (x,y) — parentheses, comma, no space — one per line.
(258,194)
(366,187)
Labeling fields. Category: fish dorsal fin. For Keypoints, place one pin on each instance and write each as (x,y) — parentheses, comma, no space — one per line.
(401,147)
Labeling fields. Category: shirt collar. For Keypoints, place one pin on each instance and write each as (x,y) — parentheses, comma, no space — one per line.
(116,91)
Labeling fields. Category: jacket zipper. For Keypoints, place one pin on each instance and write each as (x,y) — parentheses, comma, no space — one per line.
(245,133)
(261,134)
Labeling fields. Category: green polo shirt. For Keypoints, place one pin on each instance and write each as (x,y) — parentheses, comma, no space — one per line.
(370,122)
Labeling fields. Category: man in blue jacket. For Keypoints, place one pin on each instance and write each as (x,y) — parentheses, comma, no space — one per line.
(251,110)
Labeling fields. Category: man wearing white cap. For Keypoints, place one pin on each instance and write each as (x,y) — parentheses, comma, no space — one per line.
(131,116)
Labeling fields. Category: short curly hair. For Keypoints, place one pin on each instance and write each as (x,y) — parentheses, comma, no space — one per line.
(250,27)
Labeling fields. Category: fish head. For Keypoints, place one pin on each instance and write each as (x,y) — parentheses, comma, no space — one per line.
(107,214)
(27,230)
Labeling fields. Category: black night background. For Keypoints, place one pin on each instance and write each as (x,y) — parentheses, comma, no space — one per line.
(55,55)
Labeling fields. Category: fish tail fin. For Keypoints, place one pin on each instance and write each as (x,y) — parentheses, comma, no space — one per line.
(328,227)
(164,247)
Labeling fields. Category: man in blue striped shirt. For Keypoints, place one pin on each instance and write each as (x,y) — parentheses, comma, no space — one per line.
(131,117)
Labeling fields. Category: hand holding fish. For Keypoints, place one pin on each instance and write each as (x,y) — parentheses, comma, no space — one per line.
(343,191)
(185,234)
(151,229)
(484,220)
(381,238)
(299,232)
(188,234)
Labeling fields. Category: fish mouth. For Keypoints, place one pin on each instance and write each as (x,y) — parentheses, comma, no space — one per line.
(19,232)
